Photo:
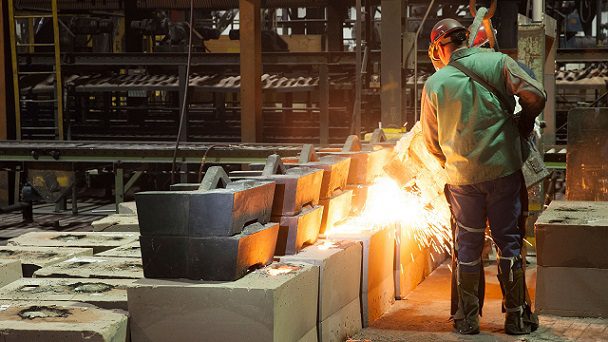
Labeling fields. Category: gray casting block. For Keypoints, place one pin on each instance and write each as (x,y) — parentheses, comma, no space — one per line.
(335,209)
(103,293)
(66,322)
(94,267)
(335,173)
(10,270)
(34,258)
(131,250)
(377,286)
(217,212)
(210,258)
(296,231)
(117,223)
(259,307)
(299,186)
(339,286)
(99,241)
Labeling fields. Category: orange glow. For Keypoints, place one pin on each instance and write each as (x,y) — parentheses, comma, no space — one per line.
(421,216)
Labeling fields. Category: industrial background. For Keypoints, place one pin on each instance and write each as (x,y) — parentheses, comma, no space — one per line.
(237,141)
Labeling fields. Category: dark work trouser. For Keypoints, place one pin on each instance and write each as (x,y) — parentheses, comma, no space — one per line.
(497,202)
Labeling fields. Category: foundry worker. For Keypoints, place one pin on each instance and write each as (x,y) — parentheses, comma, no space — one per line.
(468,129)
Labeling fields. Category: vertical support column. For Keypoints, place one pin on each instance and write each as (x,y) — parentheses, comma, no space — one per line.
(549,115)
(3,81)
(58,80)
(391,91)
(324,104)
(356,126)
(15,69)
(251,71)
(336,12)
(119,185)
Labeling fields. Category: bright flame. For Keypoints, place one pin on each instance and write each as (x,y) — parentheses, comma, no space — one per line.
(408,210)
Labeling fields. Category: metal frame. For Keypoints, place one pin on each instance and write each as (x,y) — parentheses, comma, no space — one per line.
(56,63)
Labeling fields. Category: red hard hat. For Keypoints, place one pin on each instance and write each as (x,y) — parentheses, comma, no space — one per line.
(445,27)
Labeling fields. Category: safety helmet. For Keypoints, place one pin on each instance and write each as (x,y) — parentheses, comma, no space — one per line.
(443,29)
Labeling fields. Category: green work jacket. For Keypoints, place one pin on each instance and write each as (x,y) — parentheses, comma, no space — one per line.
(463,123)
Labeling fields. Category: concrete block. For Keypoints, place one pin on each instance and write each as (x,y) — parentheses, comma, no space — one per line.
(10,270)
(335,209)
(359,197)
(342,324)
(299,230)
(365,166)
(69,323)
(127,208)
(335,173)
(117,223)
(217,212)
(103,293)
(377,285)
(339,265)
(94,267)
(573,234)
(257,307)
(130,250)
(209,258)
(34,258)
(299,186)
(571,291)
(99,241)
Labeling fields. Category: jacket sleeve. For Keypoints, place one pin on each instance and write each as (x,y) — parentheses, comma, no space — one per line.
(428,120)
(531,94)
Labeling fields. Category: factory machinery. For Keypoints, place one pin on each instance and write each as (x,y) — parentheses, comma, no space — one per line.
(107,76)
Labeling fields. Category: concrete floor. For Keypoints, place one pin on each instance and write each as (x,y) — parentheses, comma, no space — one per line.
(423,316)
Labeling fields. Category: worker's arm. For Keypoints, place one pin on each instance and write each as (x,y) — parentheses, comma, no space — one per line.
(428,120)
(531,94)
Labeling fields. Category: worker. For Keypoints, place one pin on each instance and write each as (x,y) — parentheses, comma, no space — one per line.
(478,141)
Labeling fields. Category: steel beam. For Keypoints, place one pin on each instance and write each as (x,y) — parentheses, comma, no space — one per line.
(324,104)
(251,70)
(391,91)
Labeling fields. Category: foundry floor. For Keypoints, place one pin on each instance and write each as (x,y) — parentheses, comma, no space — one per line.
(423,316)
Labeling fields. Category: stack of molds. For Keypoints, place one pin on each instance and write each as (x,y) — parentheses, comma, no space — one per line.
(61,321)
(10,270)
(366,165)
(377,285)
(34,258)
(334,197)
(277,303)
(99,241)
(214,232)
(339,265)
(295,205)
(103,293)
(94,267)
(571,241)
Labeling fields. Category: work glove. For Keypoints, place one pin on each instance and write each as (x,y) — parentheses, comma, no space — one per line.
(525,124)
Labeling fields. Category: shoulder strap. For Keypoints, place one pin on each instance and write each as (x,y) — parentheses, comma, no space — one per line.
(484,83)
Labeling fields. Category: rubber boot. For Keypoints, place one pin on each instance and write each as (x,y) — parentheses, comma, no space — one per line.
(520,319)
(466,319)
